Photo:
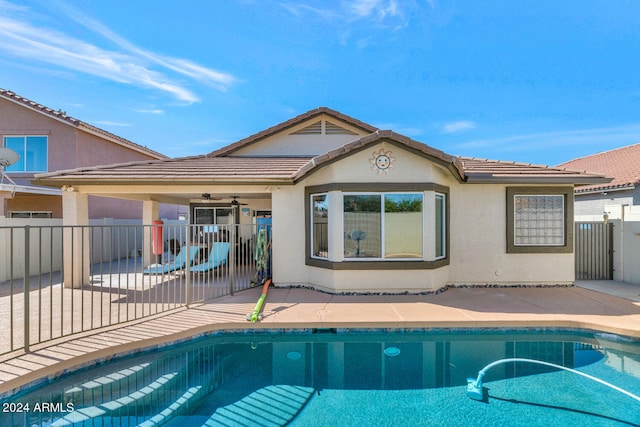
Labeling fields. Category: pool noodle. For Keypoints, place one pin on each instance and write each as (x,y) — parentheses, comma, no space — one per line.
(254,317)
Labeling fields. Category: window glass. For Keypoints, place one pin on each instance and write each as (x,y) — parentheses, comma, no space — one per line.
(36,154)
(362,226)
(16,143)
(440,234)
(32,151)
(18,214)
(320,223)
(403,226)
(538,220)
(385,226)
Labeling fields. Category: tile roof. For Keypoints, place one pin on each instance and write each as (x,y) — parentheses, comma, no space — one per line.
(484,170)
(196,169)
(622,164)
(229,149)
(207,169)
(63,117)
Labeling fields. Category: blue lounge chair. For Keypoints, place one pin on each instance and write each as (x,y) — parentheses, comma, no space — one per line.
(178,263)
(217,257)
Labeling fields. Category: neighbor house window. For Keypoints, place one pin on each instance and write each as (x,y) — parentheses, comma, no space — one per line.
(383,226)
(319,226)
(538,220)
(18,214)
(32,150)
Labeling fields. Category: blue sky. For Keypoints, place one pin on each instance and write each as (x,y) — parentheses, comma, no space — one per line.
(532,81)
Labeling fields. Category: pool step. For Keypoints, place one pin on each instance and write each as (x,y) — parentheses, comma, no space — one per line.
(274,405)
(118,406)
(176,408)
(97,387)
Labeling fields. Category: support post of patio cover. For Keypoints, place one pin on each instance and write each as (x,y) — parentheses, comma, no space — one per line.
(150,212)
(75,217)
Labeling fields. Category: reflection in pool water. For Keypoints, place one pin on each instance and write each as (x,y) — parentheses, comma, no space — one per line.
(348,378)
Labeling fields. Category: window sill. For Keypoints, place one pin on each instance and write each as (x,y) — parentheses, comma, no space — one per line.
(378,265)
(539,249)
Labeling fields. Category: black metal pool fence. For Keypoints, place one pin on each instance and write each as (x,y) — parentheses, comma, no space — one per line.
(60,280)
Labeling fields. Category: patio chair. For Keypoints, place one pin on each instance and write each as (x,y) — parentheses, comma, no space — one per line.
(178,263)
(217,256)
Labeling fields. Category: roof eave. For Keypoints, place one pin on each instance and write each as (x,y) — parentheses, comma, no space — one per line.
(473,178)
(60,182)
(605,189)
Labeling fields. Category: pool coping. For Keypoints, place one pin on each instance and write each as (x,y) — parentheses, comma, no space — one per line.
(299,308)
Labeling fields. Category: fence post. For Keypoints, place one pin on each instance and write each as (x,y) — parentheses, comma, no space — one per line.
(187,278)
(27,273)
(610,250)
(232,259)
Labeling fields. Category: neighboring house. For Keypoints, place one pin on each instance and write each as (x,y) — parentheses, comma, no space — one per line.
(358,209)
(617,202)
(49,140)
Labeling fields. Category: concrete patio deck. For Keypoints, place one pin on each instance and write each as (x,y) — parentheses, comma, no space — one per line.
(481,307)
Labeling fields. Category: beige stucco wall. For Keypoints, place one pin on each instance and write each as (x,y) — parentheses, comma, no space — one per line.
(479,243)
(478,253)
(301,145)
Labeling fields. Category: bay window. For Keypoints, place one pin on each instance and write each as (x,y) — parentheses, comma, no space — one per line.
(354,226)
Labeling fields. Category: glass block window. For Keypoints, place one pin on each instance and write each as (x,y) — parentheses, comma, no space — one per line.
(538,220)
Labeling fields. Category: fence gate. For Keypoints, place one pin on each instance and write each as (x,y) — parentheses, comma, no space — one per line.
(594,250)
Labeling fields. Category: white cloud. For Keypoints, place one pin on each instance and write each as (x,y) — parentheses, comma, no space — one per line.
(378,10)
(458,126)
(157,111)
(110,123)
(129,65)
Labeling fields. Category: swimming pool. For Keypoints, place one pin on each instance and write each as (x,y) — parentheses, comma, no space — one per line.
(348,378)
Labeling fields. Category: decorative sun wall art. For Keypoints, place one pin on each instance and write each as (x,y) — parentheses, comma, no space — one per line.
(382,162)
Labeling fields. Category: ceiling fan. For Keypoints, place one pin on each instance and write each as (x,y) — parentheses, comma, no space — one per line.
(207,197)
(235,202)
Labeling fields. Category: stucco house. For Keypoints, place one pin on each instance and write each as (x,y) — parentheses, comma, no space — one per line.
(48,140)
(359,209)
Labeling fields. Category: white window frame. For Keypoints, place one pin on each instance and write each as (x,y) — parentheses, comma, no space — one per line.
(311,228)
(443,236)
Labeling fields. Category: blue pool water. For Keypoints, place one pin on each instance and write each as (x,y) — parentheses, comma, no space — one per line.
(348,378)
